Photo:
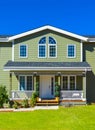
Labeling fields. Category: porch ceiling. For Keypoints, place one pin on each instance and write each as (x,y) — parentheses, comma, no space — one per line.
(79,66)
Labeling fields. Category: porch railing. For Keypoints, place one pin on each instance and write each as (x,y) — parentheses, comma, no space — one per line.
(16,94)
(72,95)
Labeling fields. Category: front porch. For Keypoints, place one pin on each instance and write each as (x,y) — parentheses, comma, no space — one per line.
(42,77)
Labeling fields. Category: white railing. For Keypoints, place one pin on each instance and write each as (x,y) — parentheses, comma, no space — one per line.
(21,94)
(72,95)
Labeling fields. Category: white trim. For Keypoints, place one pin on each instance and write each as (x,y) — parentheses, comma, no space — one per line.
(25,82)
(48,68)
(26,50)
(81,51)
(50,28)
(74,51)
(68,78)
(13,50)
(49,50)
(45,50)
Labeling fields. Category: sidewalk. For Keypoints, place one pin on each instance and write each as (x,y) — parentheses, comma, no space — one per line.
(29,109)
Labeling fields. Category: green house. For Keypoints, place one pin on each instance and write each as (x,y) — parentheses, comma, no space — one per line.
(46,56)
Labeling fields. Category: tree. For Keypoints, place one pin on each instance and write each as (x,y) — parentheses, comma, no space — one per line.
(3,95)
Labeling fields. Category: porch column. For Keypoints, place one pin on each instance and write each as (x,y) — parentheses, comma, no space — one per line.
(84,86)
(10,89)
(59,81)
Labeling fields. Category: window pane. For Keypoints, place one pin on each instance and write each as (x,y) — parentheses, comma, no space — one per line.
(72,82)
(65,83)
(22,50)
(51,41)
(29,83)
(52,51)
(71,52)
(42,50)
(22,82)
(42,40)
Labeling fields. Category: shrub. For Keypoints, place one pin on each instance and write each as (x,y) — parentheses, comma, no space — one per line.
(15,105)
(11,102)
(3,96)
(33,99)
(25,103)
(57,93)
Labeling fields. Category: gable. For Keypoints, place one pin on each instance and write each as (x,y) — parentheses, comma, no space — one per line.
(48,28)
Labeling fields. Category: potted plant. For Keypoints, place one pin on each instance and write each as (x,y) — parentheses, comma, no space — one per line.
(37,91)
(57,91)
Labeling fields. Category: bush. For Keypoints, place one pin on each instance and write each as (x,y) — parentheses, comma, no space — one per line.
(33,99)
(3,96)
(15,105)
(57,94)
(37,86)
(11,103)
(25,103)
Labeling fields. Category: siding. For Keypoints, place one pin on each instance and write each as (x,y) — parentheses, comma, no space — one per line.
(5,55)
(89,56)
(62,42)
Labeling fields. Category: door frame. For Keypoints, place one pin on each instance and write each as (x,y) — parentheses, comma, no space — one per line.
(41,76)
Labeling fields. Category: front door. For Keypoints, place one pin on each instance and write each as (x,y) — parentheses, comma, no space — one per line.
(47,86)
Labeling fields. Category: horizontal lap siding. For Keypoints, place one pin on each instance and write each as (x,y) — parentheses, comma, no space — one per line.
(89,56)
(61,40)
(5,55)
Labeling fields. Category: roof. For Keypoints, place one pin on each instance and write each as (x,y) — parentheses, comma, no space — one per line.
(11,65)
(49,28)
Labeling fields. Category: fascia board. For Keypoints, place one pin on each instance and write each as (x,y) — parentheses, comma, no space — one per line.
(51,28)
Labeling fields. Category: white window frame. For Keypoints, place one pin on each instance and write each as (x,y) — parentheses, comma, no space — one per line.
(74,51)
(45,50)
(49,50)
(25,83)
(68,76)
(26,51)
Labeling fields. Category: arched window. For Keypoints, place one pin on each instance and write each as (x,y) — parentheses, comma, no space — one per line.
(52,48)
(42,47)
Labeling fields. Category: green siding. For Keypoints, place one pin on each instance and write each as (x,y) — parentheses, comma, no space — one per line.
(5,55)
(79,82)
(89,56)
(62,42)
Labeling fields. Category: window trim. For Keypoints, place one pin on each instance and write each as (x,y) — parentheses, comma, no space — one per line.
(68,88)
(74,51)
(26,51)
(45,51)
(52,45)
(25,83)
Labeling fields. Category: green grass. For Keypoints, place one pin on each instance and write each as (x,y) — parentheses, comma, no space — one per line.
(73,118)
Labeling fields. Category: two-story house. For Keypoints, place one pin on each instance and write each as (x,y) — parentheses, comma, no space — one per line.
(47,55)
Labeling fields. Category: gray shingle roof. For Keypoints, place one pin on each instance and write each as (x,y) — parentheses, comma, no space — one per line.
(46,64)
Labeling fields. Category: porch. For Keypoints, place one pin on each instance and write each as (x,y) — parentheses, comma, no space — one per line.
(64,95)
(42,77)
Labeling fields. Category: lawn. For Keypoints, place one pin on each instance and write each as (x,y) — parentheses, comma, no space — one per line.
(72,118)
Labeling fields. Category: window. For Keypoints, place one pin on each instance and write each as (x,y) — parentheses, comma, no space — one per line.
(71,51)
(23,51)
(68,83)
(65,82)
(52,47)
(22,82)
(49,43)
(42,47)
(26,83)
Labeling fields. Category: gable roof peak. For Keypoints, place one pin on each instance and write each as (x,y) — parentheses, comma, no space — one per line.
(82,38)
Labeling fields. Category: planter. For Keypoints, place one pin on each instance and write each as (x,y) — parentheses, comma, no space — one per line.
(57,99)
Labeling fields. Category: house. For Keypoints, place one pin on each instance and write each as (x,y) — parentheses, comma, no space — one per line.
(46,56)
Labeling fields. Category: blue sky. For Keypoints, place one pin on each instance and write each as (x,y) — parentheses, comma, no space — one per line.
(77,16)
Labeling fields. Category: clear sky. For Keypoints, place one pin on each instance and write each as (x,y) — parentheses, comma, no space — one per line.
(77,16)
